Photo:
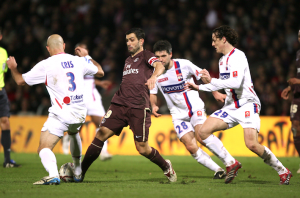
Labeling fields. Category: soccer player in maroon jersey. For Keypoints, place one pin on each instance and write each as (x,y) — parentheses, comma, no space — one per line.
(294,85)
(131,106)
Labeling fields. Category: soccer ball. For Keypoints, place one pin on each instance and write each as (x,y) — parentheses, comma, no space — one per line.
(66,173)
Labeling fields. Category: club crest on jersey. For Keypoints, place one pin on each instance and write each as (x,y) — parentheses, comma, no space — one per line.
(163,79)
(221,63)
(135,60)
(199,113)
(247,114)
(235,74)
(179,77)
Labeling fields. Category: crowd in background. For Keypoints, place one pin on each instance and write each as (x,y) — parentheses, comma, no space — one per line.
(267,31)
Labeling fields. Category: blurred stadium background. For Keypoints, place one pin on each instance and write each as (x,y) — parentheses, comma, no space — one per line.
(267,28)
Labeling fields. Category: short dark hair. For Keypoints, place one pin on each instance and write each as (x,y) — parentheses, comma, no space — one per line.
(139,33)
(225,31)
(162,45)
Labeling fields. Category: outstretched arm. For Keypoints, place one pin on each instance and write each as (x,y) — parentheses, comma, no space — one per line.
(159,69)
(82,52)
(153,100)
(286,93)
(17,76)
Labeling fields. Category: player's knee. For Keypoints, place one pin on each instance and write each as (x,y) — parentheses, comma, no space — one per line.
(4,123)
(251,145)
(296,128)
(191,148)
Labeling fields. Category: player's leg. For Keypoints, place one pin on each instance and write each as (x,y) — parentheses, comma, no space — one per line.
(76,150)
(296,136)
(104,155)
(200,156)
(66,143)
(47,143)
(154,156)
(251,141)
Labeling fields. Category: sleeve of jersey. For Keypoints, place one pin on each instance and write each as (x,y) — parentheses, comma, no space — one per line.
(4,64)
(150,57)
(89,67)
(233,82)
(36,75)
(195,71)
(154,90)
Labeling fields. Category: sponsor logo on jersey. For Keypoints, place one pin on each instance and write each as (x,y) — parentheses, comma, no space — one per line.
(129,70)
(235,74)
(163,79)
(247,114)
(199,113)
(76,98)
(224,76)
(221,63)
(173,88)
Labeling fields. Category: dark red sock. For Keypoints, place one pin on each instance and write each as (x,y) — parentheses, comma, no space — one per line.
(91,154)
(297,144)
(157,159)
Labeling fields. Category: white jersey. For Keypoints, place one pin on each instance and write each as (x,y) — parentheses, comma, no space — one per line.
(181,103)
(63,76)
(92,97)
(235,79)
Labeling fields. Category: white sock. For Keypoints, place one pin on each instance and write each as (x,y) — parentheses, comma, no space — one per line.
(215,145)
(270,159)
(104,148)
(65,142)
(204,159)
(76,150)
(49,162)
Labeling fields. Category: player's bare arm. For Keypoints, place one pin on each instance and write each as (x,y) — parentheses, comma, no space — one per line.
(103,83)
(286,93)
(153,100)
(219,96)
(159,69)
(191,86)
(82,52)
(293,81)
(206,78)
(12,65)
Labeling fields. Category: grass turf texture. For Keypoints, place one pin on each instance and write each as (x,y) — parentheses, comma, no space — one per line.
(136,176)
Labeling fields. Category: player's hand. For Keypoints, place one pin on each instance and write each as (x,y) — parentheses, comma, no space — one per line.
(103,83)
(80,51)
(219,96)
(293,81)
(151,82)
(154,111)
(11,63)
(205,76)
(191,86)
(286,93)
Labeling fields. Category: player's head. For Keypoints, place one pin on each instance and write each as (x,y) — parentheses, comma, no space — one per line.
(55,44)
(163,51)
(83,45)
(223,36)
(135,39)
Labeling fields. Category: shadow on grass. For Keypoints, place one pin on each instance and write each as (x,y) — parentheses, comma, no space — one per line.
(256,181)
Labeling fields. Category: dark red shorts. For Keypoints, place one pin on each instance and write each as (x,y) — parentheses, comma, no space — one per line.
(118,116)
(295,110)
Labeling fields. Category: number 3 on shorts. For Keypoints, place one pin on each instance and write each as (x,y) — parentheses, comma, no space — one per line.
(71,81)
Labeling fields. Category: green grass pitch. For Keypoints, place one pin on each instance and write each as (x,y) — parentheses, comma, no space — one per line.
(136,176)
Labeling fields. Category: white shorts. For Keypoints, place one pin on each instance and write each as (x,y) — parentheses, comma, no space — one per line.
(94,104)
(183,126)
(247,116)
(56,127)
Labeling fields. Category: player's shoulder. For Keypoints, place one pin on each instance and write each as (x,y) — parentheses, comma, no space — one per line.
(3,52)
(183,62)
(238,53)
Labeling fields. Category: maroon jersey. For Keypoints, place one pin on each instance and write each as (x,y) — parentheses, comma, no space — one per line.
(137,70)
(296,88)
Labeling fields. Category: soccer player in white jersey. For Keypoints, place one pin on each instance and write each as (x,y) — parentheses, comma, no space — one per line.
(241,106)
(63,76)
(187,108)
(95,109)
